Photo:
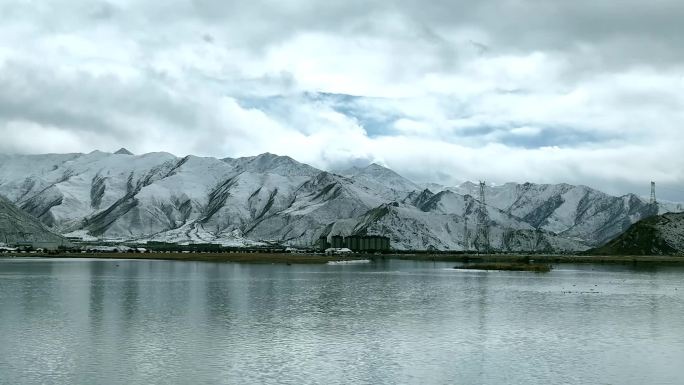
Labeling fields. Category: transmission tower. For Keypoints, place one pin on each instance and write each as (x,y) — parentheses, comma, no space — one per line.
(482,237)
(653,196)
(466,236)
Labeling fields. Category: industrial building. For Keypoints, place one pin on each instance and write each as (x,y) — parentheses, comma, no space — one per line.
(368,243)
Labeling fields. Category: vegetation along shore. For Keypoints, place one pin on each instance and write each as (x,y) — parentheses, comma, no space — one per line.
(312,258)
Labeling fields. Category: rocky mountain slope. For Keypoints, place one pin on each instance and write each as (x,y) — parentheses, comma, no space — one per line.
(570,211)
(658,235)
(18,227)
(243,201)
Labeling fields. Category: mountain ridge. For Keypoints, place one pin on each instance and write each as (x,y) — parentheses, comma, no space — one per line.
(159,196)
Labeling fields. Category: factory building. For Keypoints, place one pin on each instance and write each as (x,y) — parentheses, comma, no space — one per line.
(323,243)
(368,243)
(337,242)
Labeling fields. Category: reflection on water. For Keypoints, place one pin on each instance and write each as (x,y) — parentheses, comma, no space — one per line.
(388,322)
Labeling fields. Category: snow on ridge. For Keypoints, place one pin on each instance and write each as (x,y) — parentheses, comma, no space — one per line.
(238,201)
(267,162)
(123,151)
(197,233)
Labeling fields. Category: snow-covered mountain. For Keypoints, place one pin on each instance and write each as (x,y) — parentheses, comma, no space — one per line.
(159,196)
(18,227)
(382,181)
(571,211)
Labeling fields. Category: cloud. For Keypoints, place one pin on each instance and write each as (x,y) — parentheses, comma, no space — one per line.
(581,92)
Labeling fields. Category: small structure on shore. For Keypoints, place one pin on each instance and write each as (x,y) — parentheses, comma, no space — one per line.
(337,251)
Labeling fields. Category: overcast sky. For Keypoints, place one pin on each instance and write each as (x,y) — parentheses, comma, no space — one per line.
(583,91)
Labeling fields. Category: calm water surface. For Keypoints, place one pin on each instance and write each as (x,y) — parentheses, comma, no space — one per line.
(392,322)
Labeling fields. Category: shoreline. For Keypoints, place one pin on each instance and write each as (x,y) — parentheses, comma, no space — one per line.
(549,258)
(288,258)
(253,258)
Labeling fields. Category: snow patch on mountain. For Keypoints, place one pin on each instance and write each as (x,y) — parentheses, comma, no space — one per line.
(198,233)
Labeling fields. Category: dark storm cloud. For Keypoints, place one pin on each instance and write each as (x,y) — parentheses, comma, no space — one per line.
(512,24)
(614,32)
(83,102)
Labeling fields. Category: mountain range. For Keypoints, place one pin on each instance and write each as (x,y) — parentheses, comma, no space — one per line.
(251,200)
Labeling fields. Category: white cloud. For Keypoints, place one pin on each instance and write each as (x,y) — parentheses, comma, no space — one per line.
(526,131)
(443,91)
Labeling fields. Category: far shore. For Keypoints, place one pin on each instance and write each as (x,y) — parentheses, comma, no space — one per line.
(295,258)
(544,258)
(258,258)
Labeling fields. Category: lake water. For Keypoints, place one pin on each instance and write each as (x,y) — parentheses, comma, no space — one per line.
(388,322)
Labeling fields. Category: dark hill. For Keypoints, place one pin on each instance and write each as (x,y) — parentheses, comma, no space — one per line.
(16,226)
(657,235)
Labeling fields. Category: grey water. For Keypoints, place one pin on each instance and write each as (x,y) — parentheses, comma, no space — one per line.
(387,322)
